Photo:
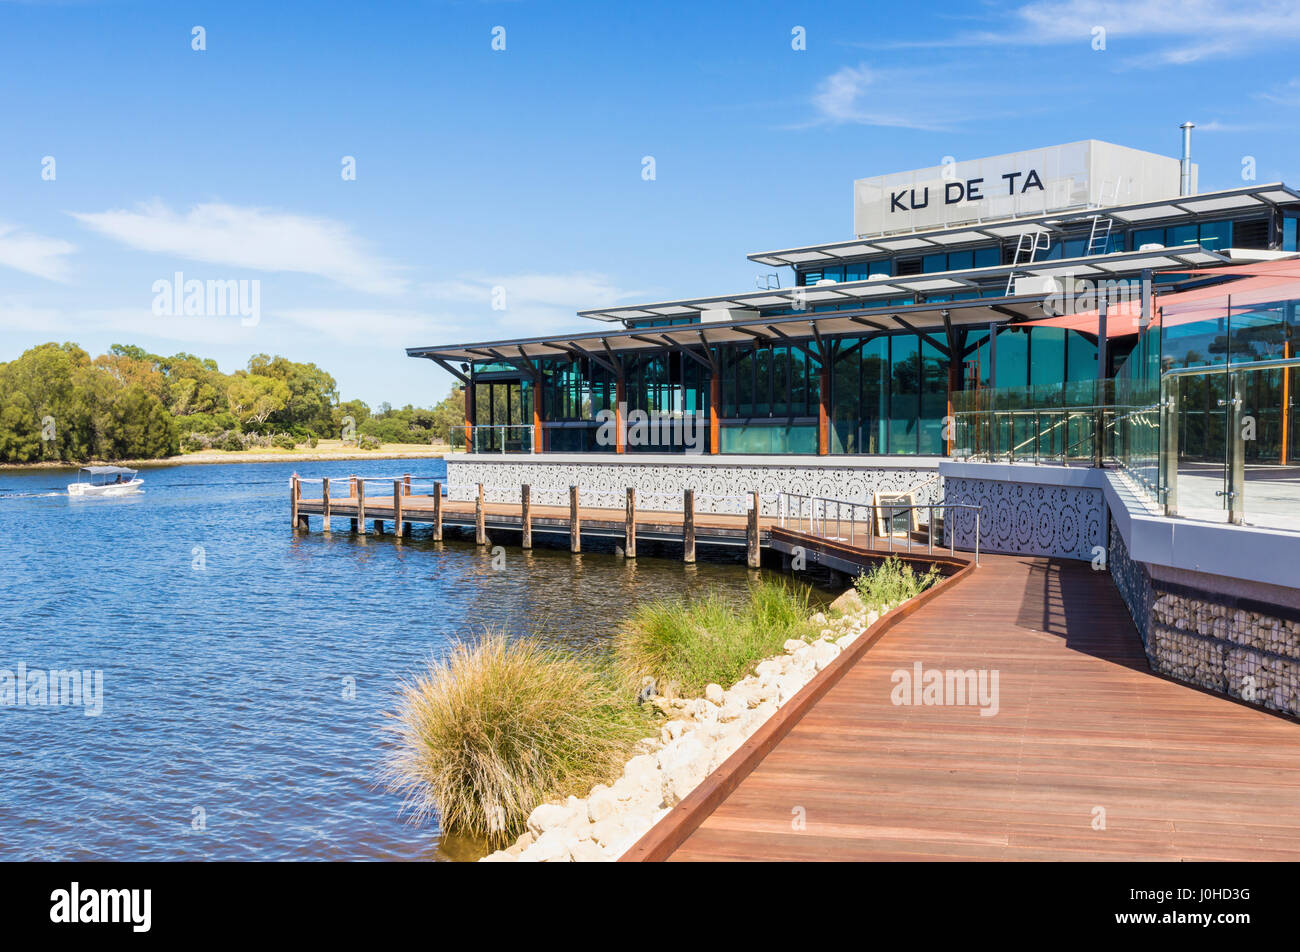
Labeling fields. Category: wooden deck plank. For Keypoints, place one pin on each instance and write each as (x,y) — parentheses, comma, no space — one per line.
(1081,724)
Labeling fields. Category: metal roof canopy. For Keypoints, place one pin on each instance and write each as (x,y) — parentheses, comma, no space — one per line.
(1272,194)
(798,328)
(845,291)
(106,470)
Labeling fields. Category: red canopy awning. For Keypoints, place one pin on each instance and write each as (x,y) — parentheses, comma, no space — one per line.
(1253,284)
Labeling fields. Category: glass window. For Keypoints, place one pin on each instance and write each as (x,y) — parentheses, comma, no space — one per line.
(1148,236)
(937,262)
(1047,356)
(904,393)
(1180,235)
(1012,368)
(1218,234)
(1288,233)
(961,260)
(885,267)
(856,272)
(934,399)
(1080,357)
(988,257)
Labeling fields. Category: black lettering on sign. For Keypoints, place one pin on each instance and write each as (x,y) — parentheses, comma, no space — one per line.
(896,202)
(948,197)
(1011,181)
(973,193)
(925,198)
(1033,179)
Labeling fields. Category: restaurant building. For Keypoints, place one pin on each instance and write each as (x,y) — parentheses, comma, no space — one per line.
(859,347)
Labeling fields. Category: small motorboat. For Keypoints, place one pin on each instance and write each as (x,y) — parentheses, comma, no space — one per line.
(105,481)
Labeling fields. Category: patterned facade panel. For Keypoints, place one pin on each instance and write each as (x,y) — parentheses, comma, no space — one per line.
(1027,518)
(718,488)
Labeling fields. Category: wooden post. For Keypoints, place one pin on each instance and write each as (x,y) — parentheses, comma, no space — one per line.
(325,500)
(715,410)
(480,528)
(629,528)
(620,416)
(688,526)
(406,485)
(352,487)
(575,528)
(751,535)
(525,516)
(437,512)
(398,525)
(293,500)
(361,506)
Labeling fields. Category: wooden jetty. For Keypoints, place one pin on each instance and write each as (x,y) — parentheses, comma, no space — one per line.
(396,509)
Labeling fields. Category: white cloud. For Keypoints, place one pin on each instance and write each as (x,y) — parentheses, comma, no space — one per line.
(843,97)
(253,238)
(535,304)
(1193,30)
(34,254)
(1287,94)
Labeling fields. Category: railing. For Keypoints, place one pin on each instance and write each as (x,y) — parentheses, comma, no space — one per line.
(1271,489)
(838,520)
(501,438)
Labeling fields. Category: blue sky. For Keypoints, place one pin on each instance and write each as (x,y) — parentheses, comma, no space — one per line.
(522,168)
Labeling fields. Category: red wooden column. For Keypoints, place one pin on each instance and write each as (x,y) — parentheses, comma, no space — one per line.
(537,420)
(715,403)
(469,416)
(620,424)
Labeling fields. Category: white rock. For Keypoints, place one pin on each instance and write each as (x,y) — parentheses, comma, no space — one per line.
(713,693)
(672,730)
(549,816)
(683,764)
(793,644)
(549,848)
(773,666)
(500,856)
(588,852)
(823,653)
(602,804)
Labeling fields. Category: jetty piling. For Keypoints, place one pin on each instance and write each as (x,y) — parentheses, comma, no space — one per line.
(688,526)
(575,527)
(525,516)
(325,502)
(480,527)
(753,557)
(437,512)
(629,525)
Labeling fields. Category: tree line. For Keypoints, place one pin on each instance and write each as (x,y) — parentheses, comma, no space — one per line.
(59,403)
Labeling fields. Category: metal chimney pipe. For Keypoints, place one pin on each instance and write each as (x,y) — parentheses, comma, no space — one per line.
(1185,187)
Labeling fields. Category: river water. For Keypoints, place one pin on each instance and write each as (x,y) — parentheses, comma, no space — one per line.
(246,669)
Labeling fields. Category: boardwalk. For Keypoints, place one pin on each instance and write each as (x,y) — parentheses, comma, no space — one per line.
(1082,724)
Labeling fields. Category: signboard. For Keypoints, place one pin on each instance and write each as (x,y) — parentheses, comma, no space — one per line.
(1019,184)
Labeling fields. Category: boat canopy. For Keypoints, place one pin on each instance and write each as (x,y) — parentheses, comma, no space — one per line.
(107,470)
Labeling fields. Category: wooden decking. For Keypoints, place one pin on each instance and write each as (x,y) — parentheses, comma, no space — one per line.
(1082,727)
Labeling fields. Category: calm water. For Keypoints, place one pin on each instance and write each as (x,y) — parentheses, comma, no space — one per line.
(226,643)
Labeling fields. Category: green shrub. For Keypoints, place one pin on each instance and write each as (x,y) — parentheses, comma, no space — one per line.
(232,442)
(500,726)
(194,443)
(713,639)
(368,443)
(311,442)
(283,441)
(892,581)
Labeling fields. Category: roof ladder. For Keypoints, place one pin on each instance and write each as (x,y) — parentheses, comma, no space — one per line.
(1028,244)
(1099,235)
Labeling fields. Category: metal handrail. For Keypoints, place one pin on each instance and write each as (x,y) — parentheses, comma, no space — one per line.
(818,523)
